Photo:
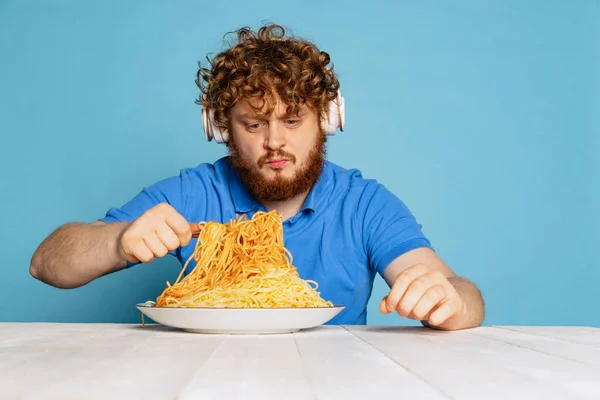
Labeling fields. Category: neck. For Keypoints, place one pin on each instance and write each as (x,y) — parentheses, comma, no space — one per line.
(287,208)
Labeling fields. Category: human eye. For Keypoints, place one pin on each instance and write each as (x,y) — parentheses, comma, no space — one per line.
(253,127)
(292,122)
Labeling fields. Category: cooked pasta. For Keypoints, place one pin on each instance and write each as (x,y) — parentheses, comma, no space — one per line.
(242,264)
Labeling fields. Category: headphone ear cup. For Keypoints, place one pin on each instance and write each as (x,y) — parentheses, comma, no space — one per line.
(206,124)
(341,103)
(211,129)
(336,117)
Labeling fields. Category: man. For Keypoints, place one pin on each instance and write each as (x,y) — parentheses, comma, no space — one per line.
(273,99)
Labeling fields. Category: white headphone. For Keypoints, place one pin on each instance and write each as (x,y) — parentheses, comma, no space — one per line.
(335,118)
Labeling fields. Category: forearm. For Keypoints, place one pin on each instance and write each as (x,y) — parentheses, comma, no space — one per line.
(78,253)
(473,311)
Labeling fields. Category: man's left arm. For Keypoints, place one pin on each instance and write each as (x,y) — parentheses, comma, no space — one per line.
(424,288)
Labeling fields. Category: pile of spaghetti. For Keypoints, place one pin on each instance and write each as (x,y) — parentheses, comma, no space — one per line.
(242,264)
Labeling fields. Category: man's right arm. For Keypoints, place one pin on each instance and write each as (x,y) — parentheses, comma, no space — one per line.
(77,253)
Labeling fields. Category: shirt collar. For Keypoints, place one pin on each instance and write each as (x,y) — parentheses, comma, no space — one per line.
(320,191)
(244,202)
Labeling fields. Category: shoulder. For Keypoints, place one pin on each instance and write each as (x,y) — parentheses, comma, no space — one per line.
(217,170)
(366,199)
(205,174)
(352,185)
(191,182)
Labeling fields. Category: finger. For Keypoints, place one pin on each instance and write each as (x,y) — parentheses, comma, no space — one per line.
(383,306)
(416,290)
(167,236)
(165,212)
(445,311)
(140,251)
(433,296)
(155,245)
(401,283)
(131,258)
(180,227)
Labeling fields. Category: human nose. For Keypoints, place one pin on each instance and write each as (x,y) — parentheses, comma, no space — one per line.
(275,138)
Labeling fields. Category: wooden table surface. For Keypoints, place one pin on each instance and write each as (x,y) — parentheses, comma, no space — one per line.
(113,361)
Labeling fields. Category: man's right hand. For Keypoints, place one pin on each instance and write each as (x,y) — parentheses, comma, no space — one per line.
(153,234)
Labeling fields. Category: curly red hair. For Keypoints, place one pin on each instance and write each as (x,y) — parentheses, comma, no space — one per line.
(263,67)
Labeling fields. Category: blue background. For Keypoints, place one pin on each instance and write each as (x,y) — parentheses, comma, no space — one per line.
(483,116)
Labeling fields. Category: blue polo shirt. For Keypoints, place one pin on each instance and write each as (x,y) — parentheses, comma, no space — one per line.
(348,229)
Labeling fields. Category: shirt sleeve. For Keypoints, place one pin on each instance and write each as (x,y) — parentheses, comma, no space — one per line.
(389,228)
(171,190)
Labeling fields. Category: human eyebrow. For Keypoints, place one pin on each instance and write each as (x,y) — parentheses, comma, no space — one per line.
(297,115)
(251,116)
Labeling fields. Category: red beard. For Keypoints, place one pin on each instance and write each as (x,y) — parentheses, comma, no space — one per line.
(279,188)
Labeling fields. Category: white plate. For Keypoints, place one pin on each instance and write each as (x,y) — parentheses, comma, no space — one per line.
(240,320)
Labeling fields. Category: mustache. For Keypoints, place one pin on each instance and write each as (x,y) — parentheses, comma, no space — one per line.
(279,154)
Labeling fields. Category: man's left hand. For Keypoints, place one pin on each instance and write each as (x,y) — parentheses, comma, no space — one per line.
(423,294)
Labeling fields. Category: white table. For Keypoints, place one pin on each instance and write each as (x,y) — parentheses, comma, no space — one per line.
(110,361)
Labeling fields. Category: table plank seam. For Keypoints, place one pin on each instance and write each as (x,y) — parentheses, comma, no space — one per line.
(181,390)
(305,370)
(547,336)
(418,376)
(536,350)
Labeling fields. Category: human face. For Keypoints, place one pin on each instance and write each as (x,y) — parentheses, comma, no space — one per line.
(277,156)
